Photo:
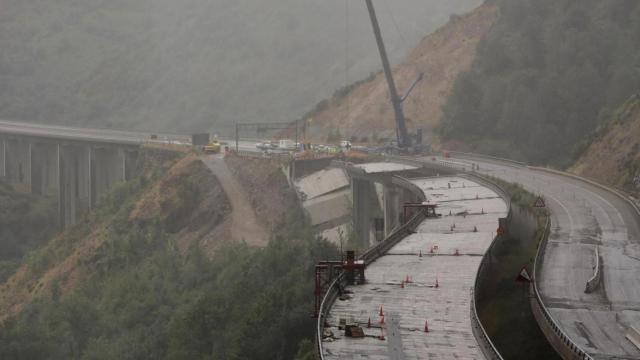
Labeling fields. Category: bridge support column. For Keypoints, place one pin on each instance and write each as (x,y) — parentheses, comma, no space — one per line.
(364,195)
(17,154)
(74,166)
(44,168)
(109,167)
(3,158)
(130,159)
(392,208)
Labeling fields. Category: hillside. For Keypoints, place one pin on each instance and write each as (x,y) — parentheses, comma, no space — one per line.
(441,56)
(613,155)
(26,222)
(547,74)
(140,214)
(194,64)
(137,277)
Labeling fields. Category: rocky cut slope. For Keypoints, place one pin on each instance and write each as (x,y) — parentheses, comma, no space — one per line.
(364,110)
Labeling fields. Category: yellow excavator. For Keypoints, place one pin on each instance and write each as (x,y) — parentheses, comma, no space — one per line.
(213,147)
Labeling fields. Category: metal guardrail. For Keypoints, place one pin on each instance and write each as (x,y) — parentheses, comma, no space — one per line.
(441,165)
(369,256)
(407,184)
(488,157)
(575,349)
(616,191)
(262,155)
(562,336)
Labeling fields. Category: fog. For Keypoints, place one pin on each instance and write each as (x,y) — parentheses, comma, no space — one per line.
(193,65)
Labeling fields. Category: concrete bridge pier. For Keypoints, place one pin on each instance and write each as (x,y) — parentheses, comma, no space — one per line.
(17,167)
(108,168)
(44,168)
(3,158)
(74,169)
(392,207)
(364,196)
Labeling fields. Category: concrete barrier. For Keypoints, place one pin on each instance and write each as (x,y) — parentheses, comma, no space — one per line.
(484,341)
(629,199)
(487,157)
(563,345)
(633,335)
(594,282)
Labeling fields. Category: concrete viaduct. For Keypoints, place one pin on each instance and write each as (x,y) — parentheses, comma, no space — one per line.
(75,165)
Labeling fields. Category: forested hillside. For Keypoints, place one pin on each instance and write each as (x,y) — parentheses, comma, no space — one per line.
(137,278)
(192,64)
(545,76)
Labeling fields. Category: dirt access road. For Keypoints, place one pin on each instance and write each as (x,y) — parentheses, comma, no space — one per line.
(243,223)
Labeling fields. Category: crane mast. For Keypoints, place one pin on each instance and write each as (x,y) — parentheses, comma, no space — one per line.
(401,128)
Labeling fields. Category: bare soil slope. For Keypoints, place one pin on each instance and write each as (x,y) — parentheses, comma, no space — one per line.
(441,56)
(267,188)
(613,157)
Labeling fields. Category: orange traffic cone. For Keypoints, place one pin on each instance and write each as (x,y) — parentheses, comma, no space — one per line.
(426,326)
(381,312)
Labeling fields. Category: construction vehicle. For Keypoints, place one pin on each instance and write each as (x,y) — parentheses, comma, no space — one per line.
(404,143)
(213,147)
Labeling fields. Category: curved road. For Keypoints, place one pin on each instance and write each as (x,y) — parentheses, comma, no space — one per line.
(584,216)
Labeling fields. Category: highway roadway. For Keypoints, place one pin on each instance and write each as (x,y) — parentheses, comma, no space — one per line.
(85,134)
(105,135)
(584,216)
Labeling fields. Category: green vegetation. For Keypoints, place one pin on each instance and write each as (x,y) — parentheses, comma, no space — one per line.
(26,222)
(143,297)
(548,73)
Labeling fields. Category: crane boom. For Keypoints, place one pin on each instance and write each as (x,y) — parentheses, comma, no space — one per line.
(401,128)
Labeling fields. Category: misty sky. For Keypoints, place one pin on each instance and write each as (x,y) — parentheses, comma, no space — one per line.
(193,65)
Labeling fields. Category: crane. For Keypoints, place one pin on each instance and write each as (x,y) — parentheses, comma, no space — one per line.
(402,135)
